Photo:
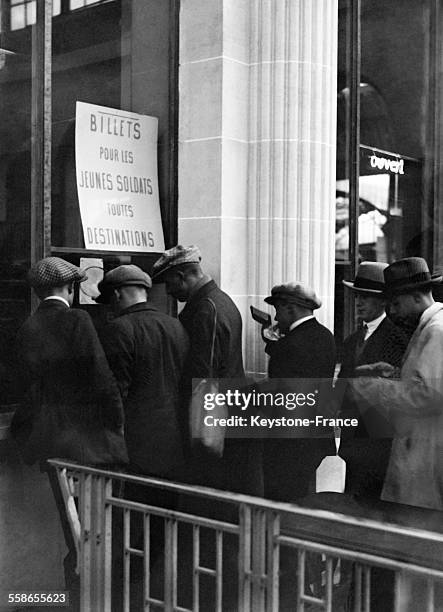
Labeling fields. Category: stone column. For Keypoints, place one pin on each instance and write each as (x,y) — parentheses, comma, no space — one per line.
(257,136)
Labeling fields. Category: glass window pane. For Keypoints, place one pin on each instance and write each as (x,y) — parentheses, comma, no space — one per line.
(15,193)
(75,4)
(31,12)
(392,220)
(17,17)
(56,7)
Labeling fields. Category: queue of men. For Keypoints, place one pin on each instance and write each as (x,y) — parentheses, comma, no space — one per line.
(122,401)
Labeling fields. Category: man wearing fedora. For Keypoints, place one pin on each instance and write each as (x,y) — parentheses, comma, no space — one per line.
(413,404)
(214,325)
(306,349)
(377,340)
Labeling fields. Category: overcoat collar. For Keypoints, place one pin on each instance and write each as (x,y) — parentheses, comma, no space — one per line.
(138,308)
(201,293)
(46,304)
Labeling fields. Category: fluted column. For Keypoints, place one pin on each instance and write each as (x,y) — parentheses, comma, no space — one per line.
(257,146)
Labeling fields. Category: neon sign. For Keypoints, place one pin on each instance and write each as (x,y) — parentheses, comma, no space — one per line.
(392,165)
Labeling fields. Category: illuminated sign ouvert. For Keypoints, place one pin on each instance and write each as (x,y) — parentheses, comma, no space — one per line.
(395,166)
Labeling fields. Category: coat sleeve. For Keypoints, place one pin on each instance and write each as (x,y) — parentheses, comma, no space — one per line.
(96,369)
(201,342)
(118,343)
(418,392)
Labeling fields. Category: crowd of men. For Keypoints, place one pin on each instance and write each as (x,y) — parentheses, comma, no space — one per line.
(121,400)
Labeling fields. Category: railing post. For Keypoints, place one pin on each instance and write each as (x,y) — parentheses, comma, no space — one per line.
(170,592)
(258,559)
(85,542)
(244,559)
(273,561)
(107,544)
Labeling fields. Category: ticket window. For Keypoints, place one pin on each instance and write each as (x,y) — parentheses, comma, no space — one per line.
(115,53)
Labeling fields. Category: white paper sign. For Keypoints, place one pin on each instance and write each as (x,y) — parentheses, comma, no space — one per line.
(117,185)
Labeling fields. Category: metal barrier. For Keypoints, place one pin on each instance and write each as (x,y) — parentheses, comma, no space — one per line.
(275,556)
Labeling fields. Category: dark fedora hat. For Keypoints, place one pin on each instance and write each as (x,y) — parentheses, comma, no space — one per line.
(408,274)
(369,278)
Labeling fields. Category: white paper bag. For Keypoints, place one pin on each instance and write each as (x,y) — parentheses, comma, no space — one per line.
(331,473)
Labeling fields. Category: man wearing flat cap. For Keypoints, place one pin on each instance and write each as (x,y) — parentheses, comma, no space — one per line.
(72,407)
(413,404)
(146,350)
(306,349)
(376,340)
(212,320)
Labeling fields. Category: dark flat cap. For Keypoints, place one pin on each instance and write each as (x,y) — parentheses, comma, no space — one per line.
(120,277)
(408,274)
(294,293)
(176,256)
(54,272)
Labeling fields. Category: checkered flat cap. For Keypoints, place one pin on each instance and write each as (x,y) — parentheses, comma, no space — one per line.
(54,272)
(176,256)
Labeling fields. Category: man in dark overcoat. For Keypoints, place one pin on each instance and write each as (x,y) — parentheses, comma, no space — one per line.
(209,311)
(147,351)
(306,349)
(377,340)
(71,406)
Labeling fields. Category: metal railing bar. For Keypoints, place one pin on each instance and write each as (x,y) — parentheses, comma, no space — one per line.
(258,558)
(155,602)
(135,551)
(357,587)
(170,563)
(259,543)
(398,600)
(98,551)
(85,543)
(430,593)
(175,515)
(273,561)
(367,589)
(329,583)
(313,600)
(206,571)
(146,560)
(126,558)
(244,558)
(107,543)
(219,571)
(364,558)
(196,565)
(238,498)
(301,561)
(161,604)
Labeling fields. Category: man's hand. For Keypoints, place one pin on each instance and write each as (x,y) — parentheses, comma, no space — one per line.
(379,368)
(271,333)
